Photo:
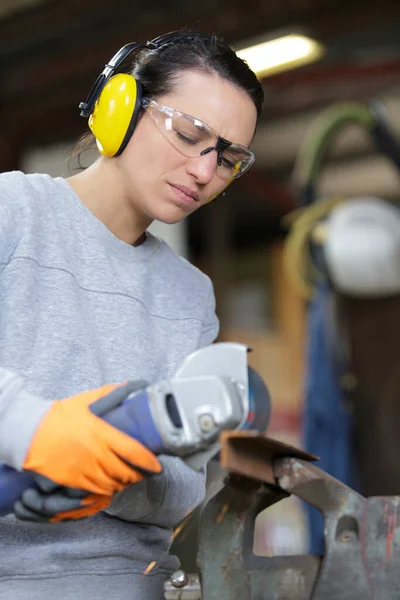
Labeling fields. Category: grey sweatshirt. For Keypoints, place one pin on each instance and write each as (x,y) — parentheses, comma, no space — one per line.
(80,308)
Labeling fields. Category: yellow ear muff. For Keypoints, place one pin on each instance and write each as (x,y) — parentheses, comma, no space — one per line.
(115,114)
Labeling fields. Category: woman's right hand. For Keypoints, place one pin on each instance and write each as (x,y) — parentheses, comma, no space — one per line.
(75,448)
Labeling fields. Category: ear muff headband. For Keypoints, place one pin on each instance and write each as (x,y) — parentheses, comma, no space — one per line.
(371,117)
(114,102)
(87,106)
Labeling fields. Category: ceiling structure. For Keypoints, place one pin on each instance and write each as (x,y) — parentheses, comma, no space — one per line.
(51,51)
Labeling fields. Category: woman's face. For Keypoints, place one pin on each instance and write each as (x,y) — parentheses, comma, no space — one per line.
(160,181)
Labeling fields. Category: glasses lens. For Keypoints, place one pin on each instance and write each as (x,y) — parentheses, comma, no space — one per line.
(193,138)
(189,136)
(236,160)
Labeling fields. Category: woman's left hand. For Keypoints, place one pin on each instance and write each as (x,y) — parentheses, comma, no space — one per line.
(64,504)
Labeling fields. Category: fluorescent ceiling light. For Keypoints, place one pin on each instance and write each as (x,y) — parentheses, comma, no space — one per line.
(281,54)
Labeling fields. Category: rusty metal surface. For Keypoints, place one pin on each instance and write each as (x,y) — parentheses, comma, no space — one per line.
(362,549)
(251,454)
(383,547)
(362,535)
(343,572)
(229,568)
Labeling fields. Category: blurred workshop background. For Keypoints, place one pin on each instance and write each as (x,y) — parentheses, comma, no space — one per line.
(50,54)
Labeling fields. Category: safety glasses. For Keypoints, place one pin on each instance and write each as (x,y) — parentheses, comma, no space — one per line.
(193,138)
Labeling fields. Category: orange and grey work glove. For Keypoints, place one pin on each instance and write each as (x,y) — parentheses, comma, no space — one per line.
(64,504)
(75,448)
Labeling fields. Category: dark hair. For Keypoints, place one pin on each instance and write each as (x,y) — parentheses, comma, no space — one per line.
(158,69)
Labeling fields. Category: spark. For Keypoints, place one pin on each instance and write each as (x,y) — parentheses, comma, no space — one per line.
(177,531)
(184,533)
(149,568)
(223,512)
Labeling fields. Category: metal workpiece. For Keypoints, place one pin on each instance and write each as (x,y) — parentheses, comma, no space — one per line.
(312,484)
(229,568)
(252,454)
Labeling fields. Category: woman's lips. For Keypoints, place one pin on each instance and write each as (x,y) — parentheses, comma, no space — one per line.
(185,194)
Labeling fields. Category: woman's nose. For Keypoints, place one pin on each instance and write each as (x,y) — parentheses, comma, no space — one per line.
(203,168)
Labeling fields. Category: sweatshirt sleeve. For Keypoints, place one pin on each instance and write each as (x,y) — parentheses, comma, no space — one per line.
(20,411)
(20,414)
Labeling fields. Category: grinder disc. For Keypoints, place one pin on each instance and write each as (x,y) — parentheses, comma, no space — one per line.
(259,403)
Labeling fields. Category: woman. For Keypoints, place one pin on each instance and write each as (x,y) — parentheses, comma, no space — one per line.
(89,298)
